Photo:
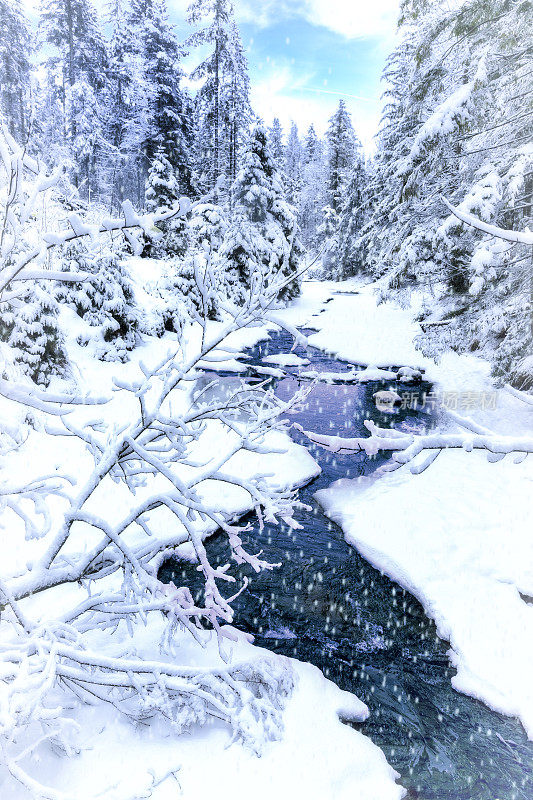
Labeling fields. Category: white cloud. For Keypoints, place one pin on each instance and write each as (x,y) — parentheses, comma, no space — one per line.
(350,18)
(354,18)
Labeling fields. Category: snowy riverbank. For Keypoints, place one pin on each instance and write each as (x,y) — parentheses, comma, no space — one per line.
(458,535)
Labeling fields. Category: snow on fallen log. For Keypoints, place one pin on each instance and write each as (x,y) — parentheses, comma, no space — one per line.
(366,375)
(405,447)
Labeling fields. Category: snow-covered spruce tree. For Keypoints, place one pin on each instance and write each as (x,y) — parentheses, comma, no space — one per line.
(293,166)
(200,273)
(236,103)
(52,665)
(262,241)
(458,125)
(153,42)
(349,259)
(342,152)
(105,300)
(312,148)
(29,326)
(15,51)
(326,236)
(313,197)
(376,248)
(172,292)
(286,249)
(344,216)
(202,266)
(49,118)
(277,147)
(162,192)
(223,104)
(87,145)
(192,282)
(122,130)
(77,55)
(28,311)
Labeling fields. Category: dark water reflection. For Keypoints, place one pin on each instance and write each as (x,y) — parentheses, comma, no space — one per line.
(328,606)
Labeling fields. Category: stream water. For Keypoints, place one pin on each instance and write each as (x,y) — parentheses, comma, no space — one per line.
(328,606)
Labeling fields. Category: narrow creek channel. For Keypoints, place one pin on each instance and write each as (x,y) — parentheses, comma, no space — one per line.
(328,606)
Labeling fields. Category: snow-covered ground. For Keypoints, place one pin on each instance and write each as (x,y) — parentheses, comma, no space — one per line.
(458,536)
(354,328)
(318,756)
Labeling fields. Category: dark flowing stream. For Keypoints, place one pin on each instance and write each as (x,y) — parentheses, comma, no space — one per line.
(328,606)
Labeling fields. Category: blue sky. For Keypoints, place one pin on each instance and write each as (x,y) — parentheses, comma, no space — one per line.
(306,54)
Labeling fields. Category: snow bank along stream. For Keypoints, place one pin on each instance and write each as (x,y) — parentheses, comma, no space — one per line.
(328,606)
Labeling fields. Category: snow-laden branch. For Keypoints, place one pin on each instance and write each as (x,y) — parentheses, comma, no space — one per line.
(405,447)
(21,185)
(129,221)
(517,237)
(158,456)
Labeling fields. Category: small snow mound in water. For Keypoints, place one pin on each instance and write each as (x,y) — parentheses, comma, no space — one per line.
(373,373)
(409,375)
(286,360)
(271,372)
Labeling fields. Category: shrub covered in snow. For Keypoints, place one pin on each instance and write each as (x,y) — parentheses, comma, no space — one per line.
(105,300)
(29,326)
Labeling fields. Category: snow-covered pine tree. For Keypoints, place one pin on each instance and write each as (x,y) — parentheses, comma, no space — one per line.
(262,238)
(105,300)
(313,197)
(77,55)
(277,147)
(49,108)
(458,125)
(326,235)
(236,103)
(199,273)
(293,166)
(162,192)
(118,107)
(162,189)
(223,100)
(87,144)
(154,45)
(15,51)
(349,259)
(313,147)
(286,249)
(342,152)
